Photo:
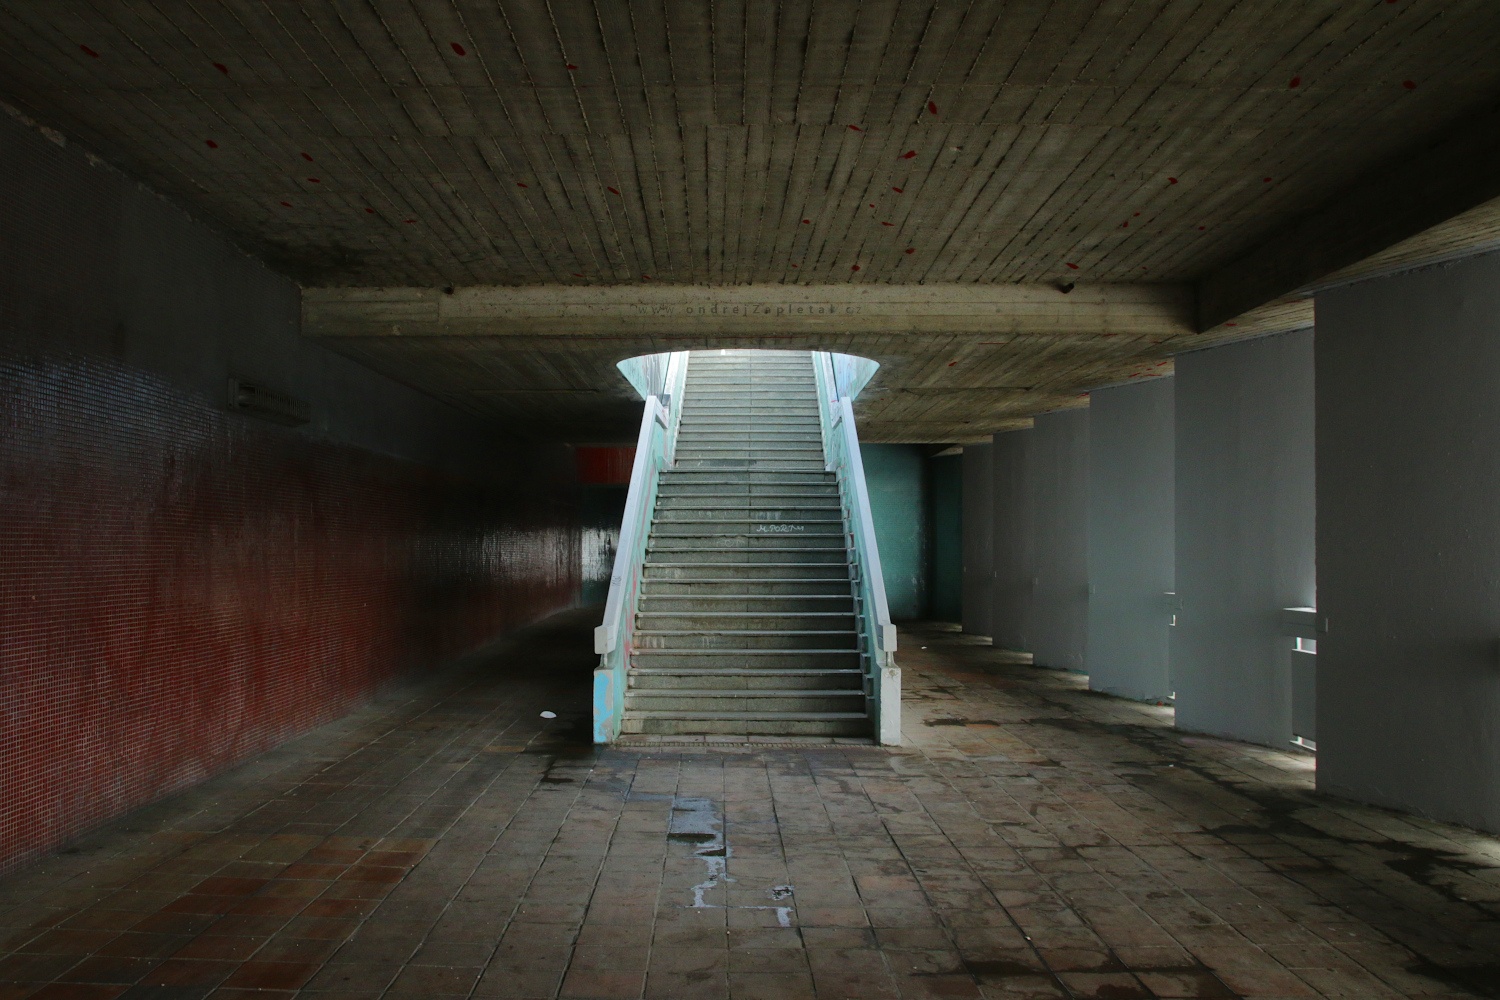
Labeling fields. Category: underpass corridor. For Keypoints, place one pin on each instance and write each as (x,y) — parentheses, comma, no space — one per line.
(1028,839)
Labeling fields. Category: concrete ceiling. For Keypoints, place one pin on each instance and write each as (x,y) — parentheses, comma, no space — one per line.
(993,185)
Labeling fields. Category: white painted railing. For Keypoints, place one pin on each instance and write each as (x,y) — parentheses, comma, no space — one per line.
(877,634)
(614,638)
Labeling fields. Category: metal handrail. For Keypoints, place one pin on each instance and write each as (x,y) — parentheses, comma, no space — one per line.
(655,450)
(878,634)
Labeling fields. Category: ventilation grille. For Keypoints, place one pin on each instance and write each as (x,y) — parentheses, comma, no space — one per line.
(268,404)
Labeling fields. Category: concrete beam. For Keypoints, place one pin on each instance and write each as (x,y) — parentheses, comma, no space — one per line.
(1430,183)
(748,311)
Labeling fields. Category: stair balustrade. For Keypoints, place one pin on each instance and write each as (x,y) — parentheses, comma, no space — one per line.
(841,448)
(655,448)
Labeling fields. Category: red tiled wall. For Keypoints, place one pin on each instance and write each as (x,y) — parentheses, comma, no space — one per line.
(604,465)
(181,587)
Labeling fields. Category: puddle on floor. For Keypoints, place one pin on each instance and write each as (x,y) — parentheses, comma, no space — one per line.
(699,823)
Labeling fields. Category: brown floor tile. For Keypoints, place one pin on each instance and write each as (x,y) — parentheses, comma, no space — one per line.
(188,972)
(519,983)
(354,976)
(78,991)
(103,969)
(707,985)
(346,908)
(272,975)
(434,980)
(133,944)
(603,984)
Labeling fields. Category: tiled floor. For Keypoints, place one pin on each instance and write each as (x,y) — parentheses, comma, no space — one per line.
(1030,840)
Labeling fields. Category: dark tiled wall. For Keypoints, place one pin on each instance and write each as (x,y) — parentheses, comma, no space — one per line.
(180,586)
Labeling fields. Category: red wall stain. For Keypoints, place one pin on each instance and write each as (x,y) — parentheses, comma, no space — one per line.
(182,588)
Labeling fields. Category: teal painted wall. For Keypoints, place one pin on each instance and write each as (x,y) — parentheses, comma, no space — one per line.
(945,553)
(895,476)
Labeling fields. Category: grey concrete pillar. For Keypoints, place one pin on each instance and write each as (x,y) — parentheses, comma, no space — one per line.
(1012,539)
(978,531)
(1408,686)
(1059,517)
(1131,544)
(1245,527)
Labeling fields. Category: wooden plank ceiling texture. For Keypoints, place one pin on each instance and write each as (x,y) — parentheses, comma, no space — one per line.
(447,143)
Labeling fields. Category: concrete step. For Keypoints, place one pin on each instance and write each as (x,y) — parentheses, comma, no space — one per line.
(716,456)
(769,407)
(745,679)
(801,450)
(699,482)
(732,374)
(785,411)
(752,531)
(728,557)
(729,438)
(731,466)
(707,702)
(788,414)
(769,390)
(756,494)
(746,658)
(744,527)
(738,463)
(828,500)
(745,724)
(732,548)
(821,570)
(687,638)
(778,604)
(750,515)
(741,587)
(782,477)
(714,622)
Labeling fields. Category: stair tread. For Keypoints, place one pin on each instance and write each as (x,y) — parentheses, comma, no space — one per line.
(748,614)
(742,631)
(751,692)
(744,652)
(665,713)
(696,565)
(746,671)
(752,597)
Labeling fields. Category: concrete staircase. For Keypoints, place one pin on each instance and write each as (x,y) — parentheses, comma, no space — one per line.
(746,622)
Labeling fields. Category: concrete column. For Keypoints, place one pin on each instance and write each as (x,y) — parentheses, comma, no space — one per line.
(1060,559)
(1245,528)
(1131,544)
(945,528)
(978,535)
(1408,381)
(1012,539)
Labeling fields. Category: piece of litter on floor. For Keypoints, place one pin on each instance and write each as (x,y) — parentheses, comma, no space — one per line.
(549,715)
